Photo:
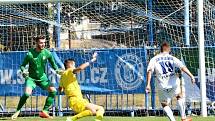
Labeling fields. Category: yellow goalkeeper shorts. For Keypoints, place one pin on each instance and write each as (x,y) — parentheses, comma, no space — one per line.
(78,104)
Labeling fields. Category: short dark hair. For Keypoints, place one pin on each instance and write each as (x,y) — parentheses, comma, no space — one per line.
(37,38)
(68,61)
(164,45)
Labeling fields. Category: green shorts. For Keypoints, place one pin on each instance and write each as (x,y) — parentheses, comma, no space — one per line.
(44,83)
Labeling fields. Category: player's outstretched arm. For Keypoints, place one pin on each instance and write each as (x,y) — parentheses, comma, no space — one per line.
(185,69)
(85,65)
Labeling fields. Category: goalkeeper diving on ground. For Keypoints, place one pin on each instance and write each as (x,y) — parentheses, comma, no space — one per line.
(69,84)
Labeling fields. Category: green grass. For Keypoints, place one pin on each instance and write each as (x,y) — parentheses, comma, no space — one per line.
(111,119)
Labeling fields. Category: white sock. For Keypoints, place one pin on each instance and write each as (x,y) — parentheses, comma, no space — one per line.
(182,108)
(169,113)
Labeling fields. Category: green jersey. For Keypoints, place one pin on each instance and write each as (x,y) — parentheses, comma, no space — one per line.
(37,62)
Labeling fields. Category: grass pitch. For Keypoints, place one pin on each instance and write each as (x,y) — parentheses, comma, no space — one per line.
(212,118)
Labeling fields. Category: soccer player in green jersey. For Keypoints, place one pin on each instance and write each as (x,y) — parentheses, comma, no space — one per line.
(35,75)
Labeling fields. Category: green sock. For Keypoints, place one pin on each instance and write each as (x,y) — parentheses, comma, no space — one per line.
(22,101)
(49,100)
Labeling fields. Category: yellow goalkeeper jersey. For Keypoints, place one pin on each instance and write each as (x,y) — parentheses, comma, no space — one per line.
(70,84)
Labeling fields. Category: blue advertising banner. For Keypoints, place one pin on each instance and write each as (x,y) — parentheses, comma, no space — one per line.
(115,71)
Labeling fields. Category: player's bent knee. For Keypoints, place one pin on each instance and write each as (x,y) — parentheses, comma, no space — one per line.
(91,108)
(93,111)
(52,89)
(101,108)
(28,90)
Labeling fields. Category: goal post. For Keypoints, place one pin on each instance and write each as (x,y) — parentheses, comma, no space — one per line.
(201,46)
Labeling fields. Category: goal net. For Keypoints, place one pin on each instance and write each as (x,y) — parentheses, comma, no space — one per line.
(125,33)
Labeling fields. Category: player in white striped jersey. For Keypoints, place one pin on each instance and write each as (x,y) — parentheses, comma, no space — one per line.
(167,81)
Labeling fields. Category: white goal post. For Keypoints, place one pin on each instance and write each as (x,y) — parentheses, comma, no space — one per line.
(202,57)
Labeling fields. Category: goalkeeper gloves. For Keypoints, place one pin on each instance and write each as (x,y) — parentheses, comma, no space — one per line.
(95,54)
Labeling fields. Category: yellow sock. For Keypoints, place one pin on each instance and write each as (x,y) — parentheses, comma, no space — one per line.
(100,113)
(82,114)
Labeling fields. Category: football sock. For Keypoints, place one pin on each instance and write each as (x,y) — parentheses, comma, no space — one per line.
(181,104)
(49,100)
(169,113)
(82,114)
(22,101)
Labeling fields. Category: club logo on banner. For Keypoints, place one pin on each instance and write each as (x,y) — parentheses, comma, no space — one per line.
(129,71)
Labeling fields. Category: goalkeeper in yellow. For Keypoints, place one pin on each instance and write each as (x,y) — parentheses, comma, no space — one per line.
(71,88)
(36,76)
